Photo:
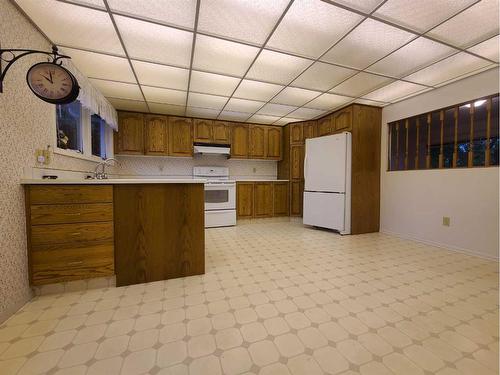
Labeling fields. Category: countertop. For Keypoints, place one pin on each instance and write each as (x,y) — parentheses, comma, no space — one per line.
(259,180)
(112,181)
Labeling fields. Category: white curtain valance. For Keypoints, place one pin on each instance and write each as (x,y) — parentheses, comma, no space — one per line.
(92,98)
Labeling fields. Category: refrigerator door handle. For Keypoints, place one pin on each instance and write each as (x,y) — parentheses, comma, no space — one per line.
(305,166)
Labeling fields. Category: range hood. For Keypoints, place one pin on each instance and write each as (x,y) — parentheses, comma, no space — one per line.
(211,149)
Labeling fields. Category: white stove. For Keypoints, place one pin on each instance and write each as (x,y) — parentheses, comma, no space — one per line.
(220,196)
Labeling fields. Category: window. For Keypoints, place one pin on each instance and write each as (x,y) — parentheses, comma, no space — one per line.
(98,136)
(465,135)
(69,126)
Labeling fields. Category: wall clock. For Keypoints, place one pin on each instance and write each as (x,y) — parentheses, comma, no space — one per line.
(52,83)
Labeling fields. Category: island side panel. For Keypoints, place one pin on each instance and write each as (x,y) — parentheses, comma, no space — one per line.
(159,232)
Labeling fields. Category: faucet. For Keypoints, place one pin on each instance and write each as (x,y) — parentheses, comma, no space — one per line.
(102,175)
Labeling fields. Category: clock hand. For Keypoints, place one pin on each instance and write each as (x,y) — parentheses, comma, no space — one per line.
(48,79)
(50,74)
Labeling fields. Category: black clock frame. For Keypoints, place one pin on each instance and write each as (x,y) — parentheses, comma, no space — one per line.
(75,89)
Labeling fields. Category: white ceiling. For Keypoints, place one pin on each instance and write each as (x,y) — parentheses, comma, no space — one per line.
(265,61)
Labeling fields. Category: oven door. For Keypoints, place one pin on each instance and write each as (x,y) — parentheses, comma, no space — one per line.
(220,196)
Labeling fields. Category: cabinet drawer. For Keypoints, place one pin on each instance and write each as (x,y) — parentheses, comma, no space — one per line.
(44,237)
(70,194)
(71,213)
(65,264)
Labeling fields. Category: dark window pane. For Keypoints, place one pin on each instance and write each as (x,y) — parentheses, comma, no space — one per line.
(68,124)
(401,145)
(494,143)
(435,139)
(98,128)
(463,135)
(422,141)
(479,140)
(412,142)
(393,145)
(448,137)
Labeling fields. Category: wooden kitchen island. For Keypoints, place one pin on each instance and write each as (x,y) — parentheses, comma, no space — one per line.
(139,230)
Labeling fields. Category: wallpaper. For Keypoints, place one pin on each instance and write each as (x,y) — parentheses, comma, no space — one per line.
(26,123)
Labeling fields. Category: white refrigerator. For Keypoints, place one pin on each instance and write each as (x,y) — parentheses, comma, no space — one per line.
(327,189)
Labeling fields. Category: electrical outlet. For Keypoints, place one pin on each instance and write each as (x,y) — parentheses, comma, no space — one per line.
(254,170)
(446,221)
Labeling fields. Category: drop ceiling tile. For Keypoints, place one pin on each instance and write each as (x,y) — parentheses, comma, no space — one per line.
(249,21)
(488,48)
(322,76)
(312,20)
(276,109)
(262,119)
(202,112)
(328,102)
(371,102)
(117,89)
(363,5)
(306,113)
(95,3)
(167,109)
(295,96)
(175,12)
(243,105)
(128,105)
(286,120)
(73,25)
(165,96)
(257,90)
(206,101)
(359,84)
(212,83)
(277,67)
(150,74)
(155,43)
(366,44)
(233,116)
(395,91)
(456,66)
(473,25)
(420,15)
(97,65)
(423,52)
(221,56)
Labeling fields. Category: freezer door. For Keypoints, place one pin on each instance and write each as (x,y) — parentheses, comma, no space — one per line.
(325,210)
(325,163)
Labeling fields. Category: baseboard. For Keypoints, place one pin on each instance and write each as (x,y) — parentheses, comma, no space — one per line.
(11,310)
(439,244)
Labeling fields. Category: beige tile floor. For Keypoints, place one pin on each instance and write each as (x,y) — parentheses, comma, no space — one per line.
(277,298)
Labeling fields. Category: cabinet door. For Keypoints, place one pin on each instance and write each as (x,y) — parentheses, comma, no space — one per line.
(244,200)
(296,133)
(309,129)
(342,120)
(263,199)
(156,135)
(280,202)
(325,126)
(131,133)
(221,132)
(202,130)
(257,141)
(180,136)
(239,141)
(297,162)
(274,142)
(297,195)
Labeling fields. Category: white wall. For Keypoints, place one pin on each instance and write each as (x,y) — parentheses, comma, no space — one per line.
(413,203)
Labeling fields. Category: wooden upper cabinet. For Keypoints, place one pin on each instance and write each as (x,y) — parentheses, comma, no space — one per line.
(244,199)
(155,135)
(274,138)
(342,120)
(325,126)
(180,131)
(130,133)
(239,140)
(257,141)
(221,132)
(309,129)
(296,133)
(263,199)
(280,201)
(203,130)
(296,162)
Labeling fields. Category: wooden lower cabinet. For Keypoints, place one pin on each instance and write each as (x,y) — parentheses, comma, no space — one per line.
(280,199)
(263,199)
(244,200)
(259,199)
(296,197)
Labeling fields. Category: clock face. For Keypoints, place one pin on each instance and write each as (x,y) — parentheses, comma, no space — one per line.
(52,83)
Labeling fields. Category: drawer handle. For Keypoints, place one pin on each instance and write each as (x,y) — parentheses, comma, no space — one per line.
(76,233)
(77,263)
(73,214)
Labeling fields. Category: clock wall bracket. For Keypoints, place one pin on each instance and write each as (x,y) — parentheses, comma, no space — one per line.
(10,56)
